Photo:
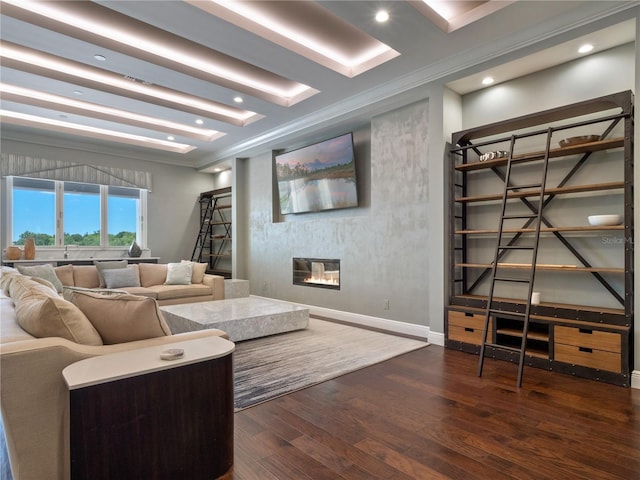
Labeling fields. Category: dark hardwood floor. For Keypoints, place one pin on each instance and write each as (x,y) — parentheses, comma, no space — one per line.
(426,415)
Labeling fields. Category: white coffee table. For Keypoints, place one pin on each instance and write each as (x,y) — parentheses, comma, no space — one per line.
(241,318)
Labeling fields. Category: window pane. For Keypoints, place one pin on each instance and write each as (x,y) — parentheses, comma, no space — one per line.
(34,211)
(81,214)
(123,206)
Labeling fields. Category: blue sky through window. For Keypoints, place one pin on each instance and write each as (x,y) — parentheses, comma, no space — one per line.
(35,211)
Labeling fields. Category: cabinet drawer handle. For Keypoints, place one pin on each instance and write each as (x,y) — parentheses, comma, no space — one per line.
(585,330)
(467,314)
(467,329)
(585,349)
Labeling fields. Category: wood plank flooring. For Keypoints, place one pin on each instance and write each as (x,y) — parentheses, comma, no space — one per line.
(426,415)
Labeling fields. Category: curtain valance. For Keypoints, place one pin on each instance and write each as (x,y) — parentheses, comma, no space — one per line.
(23,166)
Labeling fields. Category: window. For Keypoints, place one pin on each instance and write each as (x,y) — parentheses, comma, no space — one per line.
(81,214)
(87,215)
(124,211)
(34,211)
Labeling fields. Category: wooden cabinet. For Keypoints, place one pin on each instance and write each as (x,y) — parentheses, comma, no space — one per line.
(584,273)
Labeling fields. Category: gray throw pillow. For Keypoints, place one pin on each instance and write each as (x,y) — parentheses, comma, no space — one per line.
(42,271)
(121,277)
(108,265)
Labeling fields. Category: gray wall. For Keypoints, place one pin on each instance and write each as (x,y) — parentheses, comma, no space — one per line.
(381,244)
(173,219)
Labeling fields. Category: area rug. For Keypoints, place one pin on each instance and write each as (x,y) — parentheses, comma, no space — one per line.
(266,368)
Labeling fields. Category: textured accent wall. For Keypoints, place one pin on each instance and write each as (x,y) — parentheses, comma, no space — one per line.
(382,244)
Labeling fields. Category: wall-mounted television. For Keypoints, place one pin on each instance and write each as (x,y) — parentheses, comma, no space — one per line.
(321,176)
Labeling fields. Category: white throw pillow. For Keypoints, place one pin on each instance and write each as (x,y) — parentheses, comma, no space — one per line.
(179,273)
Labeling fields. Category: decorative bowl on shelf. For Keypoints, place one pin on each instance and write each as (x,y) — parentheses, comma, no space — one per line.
(604,220)
(567,142)
(493,155)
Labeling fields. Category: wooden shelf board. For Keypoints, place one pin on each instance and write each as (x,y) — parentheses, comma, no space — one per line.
(549,191)
(564,268)
(553,153)
(577,228)
(566,306)
(512,332)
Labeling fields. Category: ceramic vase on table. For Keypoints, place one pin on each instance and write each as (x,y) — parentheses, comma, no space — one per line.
(29,249)
(13,253)
(135,250)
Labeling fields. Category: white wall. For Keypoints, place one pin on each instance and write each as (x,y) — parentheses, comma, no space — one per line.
(173,217)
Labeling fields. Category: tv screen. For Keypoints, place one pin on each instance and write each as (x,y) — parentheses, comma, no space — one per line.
(318,177)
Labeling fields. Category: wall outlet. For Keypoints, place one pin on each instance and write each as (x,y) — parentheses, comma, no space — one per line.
(386,304)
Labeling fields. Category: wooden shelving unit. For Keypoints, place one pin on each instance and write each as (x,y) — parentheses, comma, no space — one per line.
(213,245)
(592,341)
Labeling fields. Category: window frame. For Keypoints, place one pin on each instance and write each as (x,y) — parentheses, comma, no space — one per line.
(141,227)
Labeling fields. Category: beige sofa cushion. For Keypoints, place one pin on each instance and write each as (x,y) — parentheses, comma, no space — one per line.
(164,292)
(41,313)
(122,318)
(85,276)
(65,274)
(152,274)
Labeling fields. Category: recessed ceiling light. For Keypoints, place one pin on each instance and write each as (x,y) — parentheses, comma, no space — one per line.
(586,48)
(199,121)
(487,80)
(100,58)
(238,99)
(171,138)
(78,92)
(382,16)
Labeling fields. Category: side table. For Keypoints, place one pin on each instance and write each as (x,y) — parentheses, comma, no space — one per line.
(134,415)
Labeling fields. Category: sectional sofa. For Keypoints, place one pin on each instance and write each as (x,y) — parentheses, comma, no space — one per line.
(43,330)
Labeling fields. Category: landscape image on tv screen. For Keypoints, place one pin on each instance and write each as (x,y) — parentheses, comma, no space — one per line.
(318,177)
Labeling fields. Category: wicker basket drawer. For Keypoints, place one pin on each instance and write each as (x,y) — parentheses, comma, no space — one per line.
(588,338)
(467,328)
(587,357)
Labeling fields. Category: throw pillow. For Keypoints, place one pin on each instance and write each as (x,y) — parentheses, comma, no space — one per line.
(48,316)
(199,269)
(43,271)
(179,274)
(122,318)
(68,292)
(65,274)
(121,277)
(106,265)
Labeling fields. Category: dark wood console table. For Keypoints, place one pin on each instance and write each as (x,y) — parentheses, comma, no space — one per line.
(57,262)
(135,416)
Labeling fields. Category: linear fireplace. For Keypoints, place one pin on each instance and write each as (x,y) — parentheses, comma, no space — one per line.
(317,272)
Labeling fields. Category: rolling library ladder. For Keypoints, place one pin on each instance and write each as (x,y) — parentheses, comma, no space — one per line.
(213,244)
(512,234)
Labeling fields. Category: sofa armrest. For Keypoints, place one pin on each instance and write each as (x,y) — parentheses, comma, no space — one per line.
(34,399)
(216,283)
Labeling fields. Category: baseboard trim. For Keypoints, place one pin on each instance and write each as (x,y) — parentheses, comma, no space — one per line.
(635,379)
(393,326)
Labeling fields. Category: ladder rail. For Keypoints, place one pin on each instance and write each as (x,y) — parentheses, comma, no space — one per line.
(501,249)
(206,222)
